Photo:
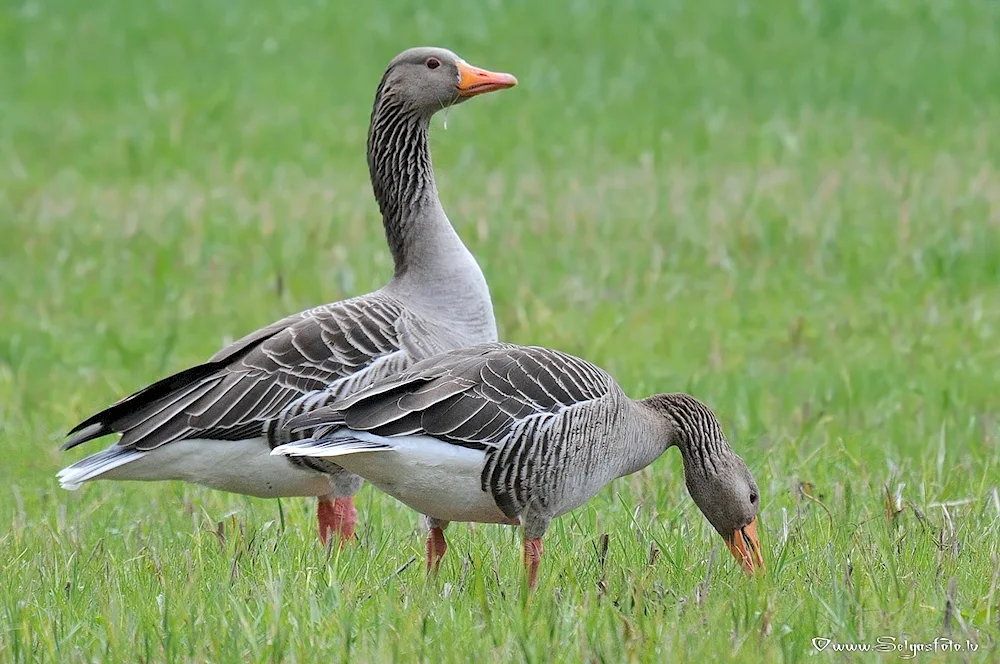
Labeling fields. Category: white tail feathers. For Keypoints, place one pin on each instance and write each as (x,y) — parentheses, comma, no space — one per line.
(96,465)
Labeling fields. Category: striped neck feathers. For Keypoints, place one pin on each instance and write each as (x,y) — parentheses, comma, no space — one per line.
(694,429)
(399,162)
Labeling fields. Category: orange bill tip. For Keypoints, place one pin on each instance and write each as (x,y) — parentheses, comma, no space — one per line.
(745,547)
(475,81)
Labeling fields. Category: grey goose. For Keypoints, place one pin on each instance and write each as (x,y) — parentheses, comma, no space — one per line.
(499,433)
(208,424)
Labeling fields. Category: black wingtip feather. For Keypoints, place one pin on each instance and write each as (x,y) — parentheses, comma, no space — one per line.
(85,434)
(161,388)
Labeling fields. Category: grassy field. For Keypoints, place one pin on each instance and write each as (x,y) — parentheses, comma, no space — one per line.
(789,209)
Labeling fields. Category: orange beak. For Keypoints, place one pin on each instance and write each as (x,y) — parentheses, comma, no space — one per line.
(475,81)
(746,548)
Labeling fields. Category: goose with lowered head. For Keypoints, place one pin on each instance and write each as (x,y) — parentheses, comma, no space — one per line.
(519,435)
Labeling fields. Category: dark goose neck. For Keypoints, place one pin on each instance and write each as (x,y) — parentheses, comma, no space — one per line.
(399,162)
(692,427)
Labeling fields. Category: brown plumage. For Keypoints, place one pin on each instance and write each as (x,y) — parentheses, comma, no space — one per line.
(518,434)
(209,424)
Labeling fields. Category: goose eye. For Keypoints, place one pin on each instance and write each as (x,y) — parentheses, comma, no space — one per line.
(433,63)
(753,498)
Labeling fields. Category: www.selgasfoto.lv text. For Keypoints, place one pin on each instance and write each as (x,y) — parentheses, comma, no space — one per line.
(888,644)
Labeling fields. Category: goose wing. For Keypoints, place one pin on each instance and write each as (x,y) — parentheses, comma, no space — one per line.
(334,348)
(475,397)
(531,410)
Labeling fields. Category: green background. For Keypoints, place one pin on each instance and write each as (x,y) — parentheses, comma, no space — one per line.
(788,209)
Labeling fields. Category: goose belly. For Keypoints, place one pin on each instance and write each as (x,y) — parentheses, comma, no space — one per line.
(239,466)
(435,478)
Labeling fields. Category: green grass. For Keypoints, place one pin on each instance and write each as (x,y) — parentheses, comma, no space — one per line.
(789,209)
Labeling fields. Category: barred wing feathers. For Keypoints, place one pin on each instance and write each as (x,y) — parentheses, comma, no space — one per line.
(517,403)
(335,348)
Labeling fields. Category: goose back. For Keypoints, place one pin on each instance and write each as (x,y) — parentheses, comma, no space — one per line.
(554,428)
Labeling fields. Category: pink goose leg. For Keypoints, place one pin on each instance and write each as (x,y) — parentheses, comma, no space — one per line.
(532,556)
(339,516)
(436,548)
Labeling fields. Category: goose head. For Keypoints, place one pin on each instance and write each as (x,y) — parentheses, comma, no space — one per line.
(716,477)
(427,79)
(728,497)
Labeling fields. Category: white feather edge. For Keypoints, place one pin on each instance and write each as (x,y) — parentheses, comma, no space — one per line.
(339,444)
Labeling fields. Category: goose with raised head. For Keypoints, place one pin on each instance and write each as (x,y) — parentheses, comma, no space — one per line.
(498,433)
(209,424)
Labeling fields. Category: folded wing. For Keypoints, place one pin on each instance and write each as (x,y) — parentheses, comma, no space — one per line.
(507,400)
(334,349)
